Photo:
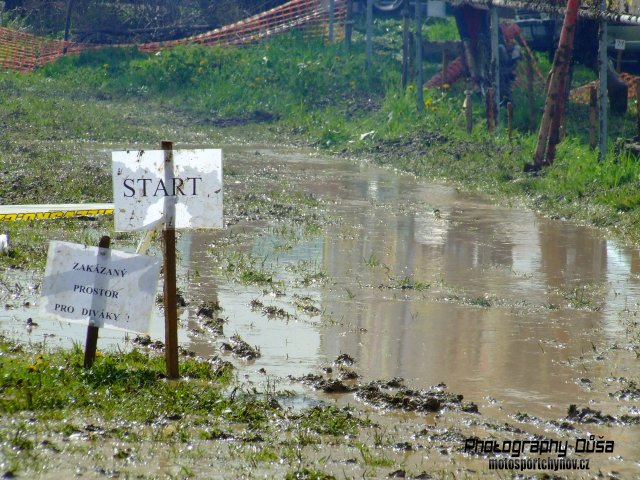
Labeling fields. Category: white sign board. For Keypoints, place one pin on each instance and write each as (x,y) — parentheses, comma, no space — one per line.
(619,44)
(182,188)
(99,286)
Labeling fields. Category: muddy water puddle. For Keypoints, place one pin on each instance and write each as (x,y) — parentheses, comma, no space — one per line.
(522,315)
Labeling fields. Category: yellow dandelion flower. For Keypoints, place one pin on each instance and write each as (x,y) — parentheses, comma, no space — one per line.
(428,102)
(32,368)
(99,354)
(445,86)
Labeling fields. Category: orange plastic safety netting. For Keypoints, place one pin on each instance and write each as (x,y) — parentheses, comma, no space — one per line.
(25,52)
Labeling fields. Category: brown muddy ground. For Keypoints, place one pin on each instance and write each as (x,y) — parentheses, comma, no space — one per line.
(435,314)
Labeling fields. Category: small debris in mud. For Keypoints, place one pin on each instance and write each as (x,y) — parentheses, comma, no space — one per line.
(145,341)
(209,309)
(240,348)
(630,392)
(215,325)
(397,474)
(587,415)
(306,305)
(344,359)
(270,310)
(348,374)
(318,382)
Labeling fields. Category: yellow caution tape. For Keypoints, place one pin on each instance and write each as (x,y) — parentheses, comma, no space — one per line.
(53,214)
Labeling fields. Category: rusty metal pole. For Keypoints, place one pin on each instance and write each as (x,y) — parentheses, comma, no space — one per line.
(169,269)
(91,344)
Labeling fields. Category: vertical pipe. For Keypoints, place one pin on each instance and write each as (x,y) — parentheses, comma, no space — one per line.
(495,62)
(332,7)
(602,74)
(419,79)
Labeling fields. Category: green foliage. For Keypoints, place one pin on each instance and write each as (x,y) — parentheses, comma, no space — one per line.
(121,386)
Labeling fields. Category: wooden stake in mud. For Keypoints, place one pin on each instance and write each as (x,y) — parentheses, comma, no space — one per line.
(490,110)
(510,119)
(169,268)
(91,345)
(593,108)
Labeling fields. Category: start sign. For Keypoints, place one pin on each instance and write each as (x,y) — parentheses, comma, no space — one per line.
(181,188)
(99,287)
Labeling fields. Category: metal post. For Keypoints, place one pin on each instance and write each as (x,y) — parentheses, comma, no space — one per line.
(331,19)
(369,35)
(169,269)
(419,79)
(602,74)
(495,62)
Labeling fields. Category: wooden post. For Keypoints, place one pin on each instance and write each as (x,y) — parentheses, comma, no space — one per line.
(490,112)
(603,64)
(169,269)
(468,110)
(618,60)
(419,79)
(331,19)
(593,108)
(406,44)
(348,24)
(495,63)
(91,344)
(548,134)
(530,96)
(369,35)
(638,110)
(510,119)
(445,65)
(67,25)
